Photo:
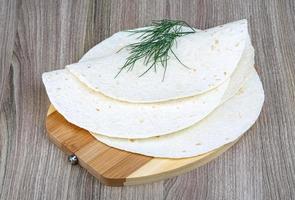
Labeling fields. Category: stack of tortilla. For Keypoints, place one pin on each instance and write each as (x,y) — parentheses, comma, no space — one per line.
(192,111)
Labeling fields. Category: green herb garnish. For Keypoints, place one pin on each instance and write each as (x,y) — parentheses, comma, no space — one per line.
(155,45)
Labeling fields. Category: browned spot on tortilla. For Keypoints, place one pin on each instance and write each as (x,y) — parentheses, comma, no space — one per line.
(97,109)
(131,140)
(241,91)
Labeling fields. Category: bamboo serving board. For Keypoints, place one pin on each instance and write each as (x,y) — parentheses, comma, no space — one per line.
(116,167)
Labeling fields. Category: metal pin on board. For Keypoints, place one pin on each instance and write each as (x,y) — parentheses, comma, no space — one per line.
(73,159)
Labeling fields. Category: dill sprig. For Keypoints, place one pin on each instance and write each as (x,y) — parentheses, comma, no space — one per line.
(155,45)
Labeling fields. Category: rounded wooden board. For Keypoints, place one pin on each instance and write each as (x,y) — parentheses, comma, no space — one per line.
(116,167)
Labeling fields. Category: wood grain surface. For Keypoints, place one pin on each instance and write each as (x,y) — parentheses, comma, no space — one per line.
(43,35)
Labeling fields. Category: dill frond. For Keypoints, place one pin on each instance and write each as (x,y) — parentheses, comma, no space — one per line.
(155,45)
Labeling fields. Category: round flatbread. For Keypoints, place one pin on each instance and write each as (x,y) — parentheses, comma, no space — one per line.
(118,40)
(98,113)
(212,56)
(224,125)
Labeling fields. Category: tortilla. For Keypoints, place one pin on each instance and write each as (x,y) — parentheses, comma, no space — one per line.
(97,113)
(224,125)
(106,116)
(212,59)
(118,40)
(128,120)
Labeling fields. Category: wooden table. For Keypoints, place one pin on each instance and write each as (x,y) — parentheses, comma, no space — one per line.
(43,35)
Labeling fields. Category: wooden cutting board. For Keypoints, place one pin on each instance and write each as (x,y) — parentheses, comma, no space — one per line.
(116,167)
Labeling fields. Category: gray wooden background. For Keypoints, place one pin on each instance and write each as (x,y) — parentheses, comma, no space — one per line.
(43,35)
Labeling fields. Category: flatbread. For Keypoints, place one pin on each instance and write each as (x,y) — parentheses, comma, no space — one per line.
(224,125)
(100,114)
(120,39)
(97,113)
(212,59)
